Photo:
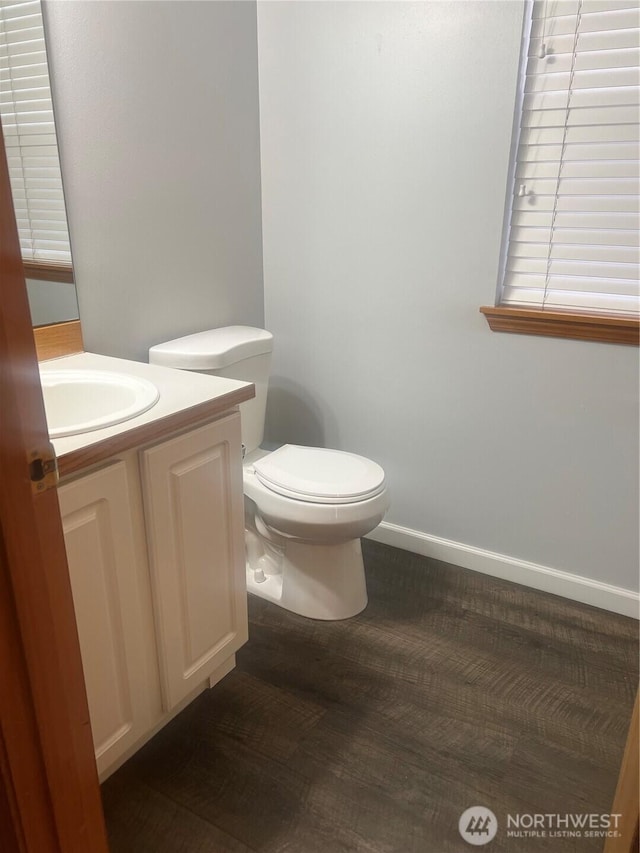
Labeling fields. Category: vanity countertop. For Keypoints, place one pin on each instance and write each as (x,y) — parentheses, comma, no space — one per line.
(186,398)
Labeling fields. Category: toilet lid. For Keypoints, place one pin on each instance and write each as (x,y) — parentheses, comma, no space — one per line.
(318,475)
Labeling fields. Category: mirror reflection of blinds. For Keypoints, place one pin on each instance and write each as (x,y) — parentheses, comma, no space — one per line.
(26,112)
(573,238)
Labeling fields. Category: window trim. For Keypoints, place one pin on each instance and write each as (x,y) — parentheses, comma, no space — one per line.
(46,271)
(582,326)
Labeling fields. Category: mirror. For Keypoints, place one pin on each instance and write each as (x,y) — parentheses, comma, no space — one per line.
(26,112)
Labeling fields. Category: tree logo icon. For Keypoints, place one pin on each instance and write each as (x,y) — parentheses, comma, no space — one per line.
(478,825)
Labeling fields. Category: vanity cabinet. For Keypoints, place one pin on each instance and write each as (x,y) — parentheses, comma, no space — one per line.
(155,546)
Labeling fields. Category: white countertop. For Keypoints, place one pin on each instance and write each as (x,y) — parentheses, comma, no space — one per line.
(179,390)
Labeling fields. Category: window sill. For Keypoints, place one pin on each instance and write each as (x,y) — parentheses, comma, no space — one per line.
(48,272)
(606,328)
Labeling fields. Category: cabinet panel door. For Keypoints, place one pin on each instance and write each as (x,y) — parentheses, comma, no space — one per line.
(192,487)
(96,518)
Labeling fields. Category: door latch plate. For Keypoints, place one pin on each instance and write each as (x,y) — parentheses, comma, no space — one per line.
(43,470)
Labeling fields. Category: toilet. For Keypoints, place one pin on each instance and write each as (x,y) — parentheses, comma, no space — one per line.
(305,507)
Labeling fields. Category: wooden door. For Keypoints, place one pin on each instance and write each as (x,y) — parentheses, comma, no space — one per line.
(49,796)
(626,800)
(192,487)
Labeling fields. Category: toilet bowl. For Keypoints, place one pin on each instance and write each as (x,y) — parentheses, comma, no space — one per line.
(303,547)
(305,507)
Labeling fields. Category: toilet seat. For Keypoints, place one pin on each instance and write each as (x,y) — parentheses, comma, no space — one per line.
(318,475)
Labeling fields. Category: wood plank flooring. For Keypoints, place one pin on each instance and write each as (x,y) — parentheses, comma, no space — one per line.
(452,689)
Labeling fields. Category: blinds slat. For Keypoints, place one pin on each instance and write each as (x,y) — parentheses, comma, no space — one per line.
(35,174)
(29,117)
(32,141)
(543,8)
(584,186)
(608,40)
(602,254)
(39,106)
(23,64)
(582,152)
(582,117)
(44,206)
(44,241)
(603,97)
(579,169)
(606,237)
(611,19)
(47,228)
(16,49)
(40,81)
(573,204)
(587,284)
(28,26)
(607,77)
(19,9)
(590,60)
(47,254)
(38,195)
(32,78)
(21,36)
(8,102)
(538,266)
(606,5)
(520,296)
(545,218)
(601,133)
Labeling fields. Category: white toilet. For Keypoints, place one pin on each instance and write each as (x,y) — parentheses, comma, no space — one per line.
(305,507)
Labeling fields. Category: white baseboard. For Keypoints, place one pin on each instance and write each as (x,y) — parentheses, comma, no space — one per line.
(575,587)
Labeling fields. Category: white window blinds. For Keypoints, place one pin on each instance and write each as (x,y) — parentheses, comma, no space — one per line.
(26,112)
(573,237)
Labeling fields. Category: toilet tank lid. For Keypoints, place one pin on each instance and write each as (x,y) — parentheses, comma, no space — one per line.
(212,349)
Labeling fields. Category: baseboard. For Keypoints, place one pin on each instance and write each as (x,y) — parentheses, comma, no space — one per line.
(574,587)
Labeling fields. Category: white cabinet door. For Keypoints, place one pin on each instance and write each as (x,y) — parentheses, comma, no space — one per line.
(192,488)
(104,570)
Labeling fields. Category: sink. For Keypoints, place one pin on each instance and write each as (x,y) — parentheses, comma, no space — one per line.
(77,401)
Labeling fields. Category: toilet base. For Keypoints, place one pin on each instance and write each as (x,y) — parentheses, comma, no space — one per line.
(318,581)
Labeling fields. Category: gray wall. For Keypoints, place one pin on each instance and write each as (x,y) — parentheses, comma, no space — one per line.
(385,133)
(157,117)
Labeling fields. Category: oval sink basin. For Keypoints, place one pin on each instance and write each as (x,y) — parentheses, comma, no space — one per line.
(77,401)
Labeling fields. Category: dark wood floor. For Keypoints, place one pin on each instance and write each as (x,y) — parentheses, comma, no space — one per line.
(452,689)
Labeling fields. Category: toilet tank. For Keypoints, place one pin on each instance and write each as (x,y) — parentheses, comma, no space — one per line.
(235,352)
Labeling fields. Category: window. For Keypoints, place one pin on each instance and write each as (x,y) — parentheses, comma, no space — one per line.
(572,250)
(26,112)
